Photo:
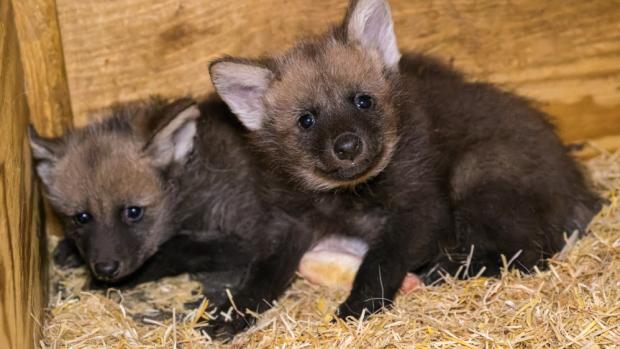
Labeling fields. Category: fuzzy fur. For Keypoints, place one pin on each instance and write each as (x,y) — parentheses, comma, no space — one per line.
(451,166)
(203,212)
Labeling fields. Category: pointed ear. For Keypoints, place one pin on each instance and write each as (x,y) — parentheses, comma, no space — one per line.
(45,152)
(242,86)
(170,132)
(369,22)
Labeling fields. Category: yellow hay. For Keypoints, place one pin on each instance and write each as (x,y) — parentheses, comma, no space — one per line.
(576,304)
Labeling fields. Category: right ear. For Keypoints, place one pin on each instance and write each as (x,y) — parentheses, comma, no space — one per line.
(242,86)
(170,132)
(369,22)
(45,152)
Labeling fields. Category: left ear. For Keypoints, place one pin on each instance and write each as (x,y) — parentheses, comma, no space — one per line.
(170,133)
(46,152)
(242,85)
(369,22)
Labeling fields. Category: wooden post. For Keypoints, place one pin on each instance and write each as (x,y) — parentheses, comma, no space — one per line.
(43,63)
(22,249)
(47,90)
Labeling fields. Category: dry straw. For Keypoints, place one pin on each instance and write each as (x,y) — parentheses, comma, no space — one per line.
(575,304)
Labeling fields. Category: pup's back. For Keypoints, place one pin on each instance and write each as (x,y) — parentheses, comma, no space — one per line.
(218,193)
(508,170)
(146,172)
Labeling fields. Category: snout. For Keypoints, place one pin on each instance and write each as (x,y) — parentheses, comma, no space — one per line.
(107,270)
(347,147)
(349,155)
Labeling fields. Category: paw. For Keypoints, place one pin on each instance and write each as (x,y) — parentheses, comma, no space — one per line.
(224,322)
(355,308)
(224,328)
(66,255)
(411,283)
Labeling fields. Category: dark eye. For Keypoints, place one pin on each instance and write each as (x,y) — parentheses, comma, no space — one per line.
(306,120)
(362,101)
(82,218)
(132,214)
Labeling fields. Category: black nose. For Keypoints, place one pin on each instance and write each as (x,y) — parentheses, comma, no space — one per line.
(107,269)
(347,146)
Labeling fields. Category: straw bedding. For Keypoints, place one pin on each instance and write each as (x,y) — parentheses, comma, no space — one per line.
(575,304)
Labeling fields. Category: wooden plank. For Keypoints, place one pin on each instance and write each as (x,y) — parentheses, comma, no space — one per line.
(43,63)
(565,54)
(122,51)
(22,253)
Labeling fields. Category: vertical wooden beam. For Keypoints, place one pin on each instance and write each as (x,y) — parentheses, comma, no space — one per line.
(22,249)
(43,63)
(47,90)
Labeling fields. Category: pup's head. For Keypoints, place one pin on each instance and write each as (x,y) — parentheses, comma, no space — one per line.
(108,181)
(324,111)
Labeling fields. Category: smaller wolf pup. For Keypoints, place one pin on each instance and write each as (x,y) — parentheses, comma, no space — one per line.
(159,188)
(432,171)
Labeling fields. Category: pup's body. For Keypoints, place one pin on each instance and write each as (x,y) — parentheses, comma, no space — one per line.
(160,188)
(146,156)
(513,188)
(428,169)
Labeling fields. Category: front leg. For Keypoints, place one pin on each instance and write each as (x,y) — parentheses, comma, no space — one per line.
(266,280)
(66,254)
(185,253)
(408,241)
(379,277)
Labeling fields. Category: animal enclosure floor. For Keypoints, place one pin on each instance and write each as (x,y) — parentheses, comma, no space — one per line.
(575,304)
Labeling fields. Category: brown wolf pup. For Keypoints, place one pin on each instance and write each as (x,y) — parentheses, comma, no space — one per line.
(159,188)
(429,169)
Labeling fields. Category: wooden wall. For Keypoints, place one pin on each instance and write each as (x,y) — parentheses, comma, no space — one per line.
(45,80)
(565,54)
(22,252)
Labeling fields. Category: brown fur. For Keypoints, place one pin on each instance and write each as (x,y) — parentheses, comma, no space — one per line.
(300,71)
(202,211)
(101,169)
(468,166)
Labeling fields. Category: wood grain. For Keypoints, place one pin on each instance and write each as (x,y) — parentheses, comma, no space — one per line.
(43,63)
(564,54)
(46,84)
(22,254)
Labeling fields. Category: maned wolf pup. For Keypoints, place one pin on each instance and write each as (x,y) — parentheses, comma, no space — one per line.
(159,188)
(429,169)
